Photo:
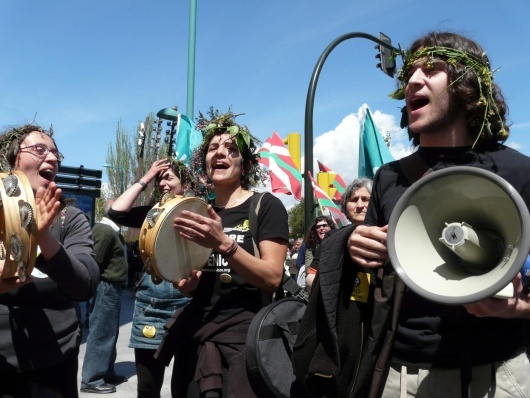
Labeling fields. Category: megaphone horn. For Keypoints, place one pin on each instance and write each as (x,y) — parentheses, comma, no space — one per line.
(459,235)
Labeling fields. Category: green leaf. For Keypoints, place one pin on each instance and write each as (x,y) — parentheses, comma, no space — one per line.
(233,130)
(246,138)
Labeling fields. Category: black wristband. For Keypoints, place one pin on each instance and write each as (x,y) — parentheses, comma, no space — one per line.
(143,184)
(230,251)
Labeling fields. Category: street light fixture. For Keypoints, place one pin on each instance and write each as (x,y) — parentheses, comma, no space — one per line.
(121,174)
(173,118)
(310,102)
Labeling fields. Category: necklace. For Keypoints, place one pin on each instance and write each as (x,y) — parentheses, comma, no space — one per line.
(229,205)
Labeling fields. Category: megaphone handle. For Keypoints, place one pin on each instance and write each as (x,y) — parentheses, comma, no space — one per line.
(505,293)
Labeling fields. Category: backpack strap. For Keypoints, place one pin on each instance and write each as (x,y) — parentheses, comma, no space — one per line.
(414,167)
(255,204)
(287,282)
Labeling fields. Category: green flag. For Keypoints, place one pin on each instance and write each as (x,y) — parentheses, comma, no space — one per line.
(373,151)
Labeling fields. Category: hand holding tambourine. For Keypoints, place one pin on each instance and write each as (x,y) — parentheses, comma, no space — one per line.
(165,254)
(18,226)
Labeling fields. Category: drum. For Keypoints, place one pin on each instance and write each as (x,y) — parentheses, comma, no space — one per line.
(164,252)
(18,226)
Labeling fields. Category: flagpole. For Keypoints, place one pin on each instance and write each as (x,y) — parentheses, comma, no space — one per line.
(310,102)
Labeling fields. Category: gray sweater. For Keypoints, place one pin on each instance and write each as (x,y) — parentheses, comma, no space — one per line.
(38,322)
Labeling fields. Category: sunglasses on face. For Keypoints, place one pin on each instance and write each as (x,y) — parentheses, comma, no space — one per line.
(318,226)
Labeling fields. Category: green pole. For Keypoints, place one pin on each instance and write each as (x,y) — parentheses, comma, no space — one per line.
(191,59)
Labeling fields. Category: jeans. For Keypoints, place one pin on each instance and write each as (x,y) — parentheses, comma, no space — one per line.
(154,306)
(100,352)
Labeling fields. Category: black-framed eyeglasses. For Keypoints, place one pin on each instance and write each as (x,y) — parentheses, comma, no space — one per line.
(318,226)
(42,151)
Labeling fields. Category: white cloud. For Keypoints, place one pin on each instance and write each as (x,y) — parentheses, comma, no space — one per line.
(514,144)
(338,149)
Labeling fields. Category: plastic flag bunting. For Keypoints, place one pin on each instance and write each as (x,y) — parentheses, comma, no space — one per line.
(373,151)
(285,176)
(325,203)
(337,183)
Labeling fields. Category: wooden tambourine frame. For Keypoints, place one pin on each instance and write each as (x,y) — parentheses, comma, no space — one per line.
(164,252)
(18,242)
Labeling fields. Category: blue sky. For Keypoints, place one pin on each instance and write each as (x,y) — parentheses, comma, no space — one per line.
(85,65)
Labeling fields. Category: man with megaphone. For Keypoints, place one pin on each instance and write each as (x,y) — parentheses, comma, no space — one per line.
(446,227)
(456,113)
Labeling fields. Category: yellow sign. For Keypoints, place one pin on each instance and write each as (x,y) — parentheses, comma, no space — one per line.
(361,287)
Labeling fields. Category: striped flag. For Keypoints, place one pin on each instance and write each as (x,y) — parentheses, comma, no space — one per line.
(373,151)
(337,183)
(285,176)
(325,203)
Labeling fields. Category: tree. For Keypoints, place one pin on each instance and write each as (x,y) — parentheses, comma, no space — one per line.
(120,162)
(296,220)
(128,159)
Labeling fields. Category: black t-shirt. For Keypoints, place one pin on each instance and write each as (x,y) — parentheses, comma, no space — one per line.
(222,293)
(133,218)
(435,334)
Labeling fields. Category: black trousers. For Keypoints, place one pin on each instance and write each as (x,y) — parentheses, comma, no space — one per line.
(150,373)
(59,381)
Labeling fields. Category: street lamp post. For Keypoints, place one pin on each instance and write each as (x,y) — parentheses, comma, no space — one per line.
(121,172)
(310,102)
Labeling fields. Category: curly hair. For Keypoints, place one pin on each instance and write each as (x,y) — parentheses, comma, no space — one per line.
(311,239)
(11,139)
(484,115)
(248,145)
(181,171)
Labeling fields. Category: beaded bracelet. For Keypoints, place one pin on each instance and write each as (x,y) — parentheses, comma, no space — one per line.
(230,251)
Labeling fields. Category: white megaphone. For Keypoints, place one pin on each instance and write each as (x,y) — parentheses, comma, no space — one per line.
(459,235)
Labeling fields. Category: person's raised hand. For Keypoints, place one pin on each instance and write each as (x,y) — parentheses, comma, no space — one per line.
(47,206)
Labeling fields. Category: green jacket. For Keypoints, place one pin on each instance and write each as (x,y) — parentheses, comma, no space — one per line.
(109,252)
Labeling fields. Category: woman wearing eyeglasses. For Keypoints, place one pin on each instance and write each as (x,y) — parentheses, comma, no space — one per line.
(38,321)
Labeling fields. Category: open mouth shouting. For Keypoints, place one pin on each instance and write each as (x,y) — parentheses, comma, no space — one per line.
(47,174)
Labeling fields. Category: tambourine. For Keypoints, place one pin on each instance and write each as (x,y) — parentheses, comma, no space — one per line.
(165,254)
(18,226)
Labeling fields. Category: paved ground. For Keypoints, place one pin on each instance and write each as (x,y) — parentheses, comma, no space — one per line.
(125,361)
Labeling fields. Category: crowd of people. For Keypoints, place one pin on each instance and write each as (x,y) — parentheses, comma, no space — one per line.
(365,333)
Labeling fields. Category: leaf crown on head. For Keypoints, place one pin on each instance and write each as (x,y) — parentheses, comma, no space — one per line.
(215,123)
(452,56)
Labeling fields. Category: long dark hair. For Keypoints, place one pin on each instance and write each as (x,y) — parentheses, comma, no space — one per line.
(311,239)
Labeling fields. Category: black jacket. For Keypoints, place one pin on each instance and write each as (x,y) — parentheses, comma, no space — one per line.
(333,344)
(327,352)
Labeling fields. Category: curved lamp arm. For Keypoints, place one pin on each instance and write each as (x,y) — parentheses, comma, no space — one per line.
(310,102)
